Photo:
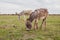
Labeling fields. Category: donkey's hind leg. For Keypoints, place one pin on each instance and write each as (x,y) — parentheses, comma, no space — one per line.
(24,18)
(43,25)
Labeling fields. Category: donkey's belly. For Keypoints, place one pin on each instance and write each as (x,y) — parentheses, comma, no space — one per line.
(42,17)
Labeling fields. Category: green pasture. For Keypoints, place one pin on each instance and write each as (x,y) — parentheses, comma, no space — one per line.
(13,29)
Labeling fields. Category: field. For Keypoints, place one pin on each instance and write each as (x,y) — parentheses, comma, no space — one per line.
(13,29)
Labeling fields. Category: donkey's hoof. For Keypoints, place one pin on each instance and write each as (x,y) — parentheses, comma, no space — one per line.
(27,29)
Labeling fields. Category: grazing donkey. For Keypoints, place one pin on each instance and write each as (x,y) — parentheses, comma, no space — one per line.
(36,15)
(23,13)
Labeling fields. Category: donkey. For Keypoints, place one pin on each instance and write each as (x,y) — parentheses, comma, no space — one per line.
(22,13)
(35,16)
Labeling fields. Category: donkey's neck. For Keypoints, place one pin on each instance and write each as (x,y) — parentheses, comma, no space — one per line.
(32,16)
(31,19)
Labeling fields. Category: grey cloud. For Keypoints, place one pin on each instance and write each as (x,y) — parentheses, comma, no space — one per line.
(52,5)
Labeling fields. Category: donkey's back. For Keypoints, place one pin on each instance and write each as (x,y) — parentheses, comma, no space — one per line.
(39,13)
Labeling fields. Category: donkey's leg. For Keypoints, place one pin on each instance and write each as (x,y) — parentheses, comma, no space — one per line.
(18,17)
(36,24)
(24,17)
(43,25)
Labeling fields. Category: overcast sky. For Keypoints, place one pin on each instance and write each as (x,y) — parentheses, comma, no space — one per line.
(12,6)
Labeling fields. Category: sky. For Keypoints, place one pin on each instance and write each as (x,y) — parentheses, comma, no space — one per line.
(12,6)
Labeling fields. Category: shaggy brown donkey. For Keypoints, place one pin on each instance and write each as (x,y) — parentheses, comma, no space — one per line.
(35,16)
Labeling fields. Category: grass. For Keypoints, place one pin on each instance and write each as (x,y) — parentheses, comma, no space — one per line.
(13,29)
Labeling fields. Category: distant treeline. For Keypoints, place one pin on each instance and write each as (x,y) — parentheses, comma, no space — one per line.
(54,14)
(27,14)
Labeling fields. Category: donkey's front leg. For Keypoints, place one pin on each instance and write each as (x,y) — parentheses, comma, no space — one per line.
(36,24)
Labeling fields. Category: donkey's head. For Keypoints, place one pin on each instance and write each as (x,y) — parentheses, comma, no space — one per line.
(28,24)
